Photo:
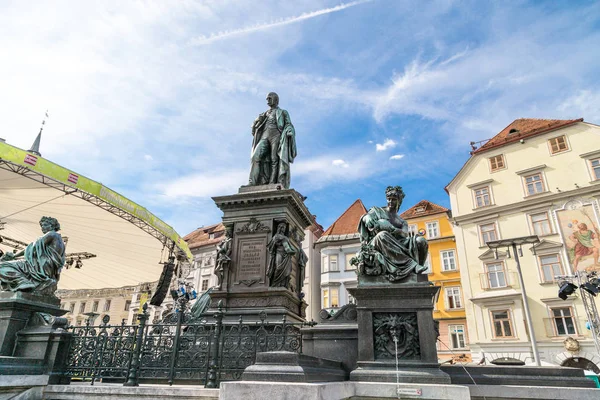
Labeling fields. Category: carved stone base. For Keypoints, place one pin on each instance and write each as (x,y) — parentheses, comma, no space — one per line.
(29,343)
(396,320)
(16,310)
(260,188)
(275,302)
(254,215)
(285,366)
(386,372)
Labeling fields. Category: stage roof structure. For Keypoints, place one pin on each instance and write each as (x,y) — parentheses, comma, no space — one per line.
(114,241)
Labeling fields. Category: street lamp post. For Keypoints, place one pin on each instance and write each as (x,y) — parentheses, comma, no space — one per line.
(513,243)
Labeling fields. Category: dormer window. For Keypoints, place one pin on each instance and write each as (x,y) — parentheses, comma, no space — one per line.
(558,144)
(497,163)
(420,209)
(513,131)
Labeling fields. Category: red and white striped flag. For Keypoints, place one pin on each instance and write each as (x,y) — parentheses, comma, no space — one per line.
(30,159)
(73,178)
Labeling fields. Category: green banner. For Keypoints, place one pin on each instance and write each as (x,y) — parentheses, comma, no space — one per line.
(70,178)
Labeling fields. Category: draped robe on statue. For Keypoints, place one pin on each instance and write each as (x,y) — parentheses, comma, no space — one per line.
(397,253)
(39,268)
(280,264)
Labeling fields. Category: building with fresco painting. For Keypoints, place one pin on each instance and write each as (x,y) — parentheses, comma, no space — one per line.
(535,177)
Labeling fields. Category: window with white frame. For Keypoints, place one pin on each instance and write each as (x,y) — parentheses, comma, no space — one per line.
(550,266)
(448,260)
(595,166)
(453,299)
(502,325)
(333,263)
(325,298)
(496,163)
(433,229)
(540,222)
(558,144)
(534,184)
(335,297)
(330,297)
(324,264)
(204,286)
(413,228)
(496,275)
(564,323)
(488,232)
(482,196)
(107,305)
(457,336)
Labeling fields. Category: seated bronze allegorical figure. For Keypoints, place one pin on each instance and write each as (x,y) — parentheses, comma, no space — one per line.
(387,247)
(39,269)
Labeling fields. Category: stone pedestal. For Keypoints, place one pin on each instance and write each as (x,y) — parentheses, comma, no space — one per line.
(253,215)
(401,312)
(31,345)
(16,310)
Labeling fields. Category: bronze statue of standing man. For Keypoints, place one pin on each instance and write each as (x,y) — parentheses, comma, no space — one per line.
(273,146)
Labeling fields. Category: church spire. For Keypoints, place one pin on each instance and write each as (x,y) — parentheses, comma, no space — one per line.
(35,147)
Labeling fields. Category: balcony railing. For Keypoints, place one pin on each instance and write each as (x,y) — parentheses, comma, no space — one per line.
(499,280)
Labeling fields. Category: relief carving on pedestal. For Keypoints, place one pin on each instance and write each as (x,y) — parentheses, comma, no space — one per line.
(399,327)
(253,226)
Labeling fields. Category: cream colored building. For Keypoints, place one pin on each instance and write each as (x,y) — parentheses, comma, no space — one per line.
(536,177)
(114,302)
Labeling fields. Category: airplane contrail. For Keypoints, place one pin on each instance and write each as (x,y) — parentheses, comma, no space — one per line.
(285,21)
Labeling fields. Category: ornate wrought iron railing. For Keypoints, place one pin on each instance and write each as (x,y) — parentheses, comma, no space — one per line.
(177,350)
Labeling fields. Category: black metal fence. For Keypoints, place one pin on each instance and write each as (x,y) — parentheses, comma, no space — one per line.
(177,350)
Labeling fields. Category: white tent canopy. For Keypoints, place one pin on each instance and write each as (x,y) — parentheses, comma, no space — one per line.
(128,250)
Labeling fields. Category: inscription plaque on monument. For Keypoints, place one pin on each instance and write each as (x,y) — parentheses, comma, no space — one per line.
(252,253)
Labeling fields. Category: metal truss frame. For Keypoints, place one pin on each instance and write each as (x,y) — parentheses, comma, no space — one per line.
(90,198)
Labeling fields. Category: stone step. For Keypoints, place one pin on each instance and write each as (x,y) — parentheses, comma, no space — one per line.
(21,366)
(107,391)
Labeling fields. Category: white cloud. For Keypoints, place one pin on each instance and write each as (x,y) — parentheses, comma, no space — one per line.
(397,157)
(148,157)
(340,163)
(508,75)
(204,39)
(205,184)
(387,144)
(584,104)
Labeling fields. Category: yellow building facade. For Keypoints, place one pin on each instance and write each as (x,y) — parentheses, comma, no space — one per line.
(535,177)
(432,221)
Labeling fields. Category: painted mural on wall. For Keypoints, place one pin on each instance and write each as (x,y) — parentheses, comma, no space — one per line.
(580,229)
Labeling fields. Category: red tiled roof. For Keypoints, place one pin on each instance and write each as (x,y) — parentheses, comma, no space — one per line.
(201,236)
(347,222)
(428,208)
(525,127)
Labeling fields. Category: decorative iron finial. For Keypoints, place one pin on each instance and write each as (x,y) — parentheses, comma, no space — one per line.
(35,147)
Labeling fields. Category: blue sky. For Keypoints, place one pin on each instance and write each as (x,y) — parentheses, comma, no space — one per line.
(156,99)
